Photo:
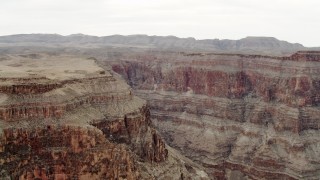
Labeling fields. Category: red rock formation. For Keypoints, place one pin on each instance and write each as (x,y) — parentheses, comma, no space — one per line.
(45,154)
(89,126)
(258,115)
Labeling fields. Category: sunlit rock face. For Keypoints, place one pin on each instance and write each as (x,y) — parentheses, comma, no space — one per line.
(63,117)
(244,116)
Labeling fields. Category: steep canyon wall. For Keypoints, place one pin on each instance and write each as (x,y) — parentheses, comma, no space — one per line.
(244,116)
(66,118)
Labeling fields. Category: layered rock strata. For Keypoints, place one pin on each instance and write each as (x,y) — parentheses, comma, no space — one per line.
(67,118)
(244,116)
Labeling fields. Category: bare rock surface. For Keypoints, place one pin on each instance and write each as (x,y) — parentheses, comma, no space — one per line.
(233,113)
(64,117)
(240,116)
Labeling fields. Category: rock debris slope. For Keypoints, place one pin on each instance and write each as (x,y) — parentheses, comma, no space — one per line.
(63,117)
(240,116)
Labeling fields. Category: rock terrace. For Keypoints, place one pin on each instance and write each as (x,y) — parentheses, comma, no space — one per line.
(63,117)
(247,116)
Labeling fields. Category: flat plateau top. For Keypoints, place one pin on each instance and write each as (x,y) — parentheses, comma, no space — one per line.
(49,67)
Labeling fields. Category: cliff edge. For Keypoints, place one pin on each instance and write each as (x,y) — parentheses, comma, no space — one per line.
(63,117)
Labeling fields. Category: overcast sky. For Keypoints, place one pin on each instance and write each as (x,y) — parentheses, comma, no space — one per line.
(290,20)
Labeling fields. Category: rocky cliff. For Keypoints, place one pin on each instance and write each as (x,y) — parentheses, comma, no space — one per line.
(240,116)
(63,117)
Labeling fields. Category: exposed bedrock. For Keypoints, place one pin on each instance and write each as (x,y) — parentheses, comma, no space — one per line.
(65,153)
(91,126)
(246,116)
(106,149)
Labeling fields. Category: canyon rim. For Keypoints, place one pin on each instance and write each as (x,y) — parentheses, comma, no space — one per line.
(149,107)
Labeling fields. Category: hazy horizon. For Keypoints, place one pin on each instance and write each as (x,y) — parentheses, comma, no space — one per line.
(294,21)
(148,35)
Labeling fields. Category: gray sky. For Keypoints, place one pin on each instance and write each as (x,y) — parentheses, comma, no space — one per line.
(290,20)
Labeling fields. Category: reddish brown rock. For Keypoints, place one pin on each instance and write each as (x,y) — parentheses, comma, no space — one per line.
(88,125)
(248,115)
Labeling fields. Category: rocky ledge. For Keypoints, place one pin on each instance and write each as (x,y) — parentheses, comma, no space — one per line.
(63,117)
(240,116)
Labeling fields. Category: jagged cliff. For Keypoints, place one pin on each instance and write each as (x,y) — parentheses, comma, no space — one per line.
(63,117)
(241,116)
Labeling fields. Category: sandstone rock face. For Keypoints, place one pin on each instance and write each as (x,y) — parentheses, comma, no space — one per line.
(241,116)
(67,118)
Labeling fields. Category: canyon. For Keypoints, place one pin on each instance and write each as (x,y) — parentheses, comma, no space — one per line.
(240,116)
(64,117)
(145,107)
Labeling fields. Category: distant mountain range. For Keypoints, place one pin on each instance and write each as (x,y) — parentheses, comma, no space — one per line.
(257,45)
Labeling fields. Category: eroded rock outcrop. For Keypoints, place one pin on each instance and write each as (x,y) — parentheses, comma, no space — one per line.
(66,118)
(245,116)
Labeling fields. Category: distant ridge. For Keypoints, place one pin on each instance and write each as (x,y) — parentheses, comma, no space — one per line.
(260,45)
